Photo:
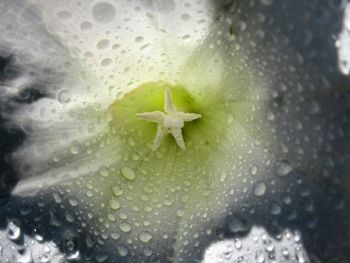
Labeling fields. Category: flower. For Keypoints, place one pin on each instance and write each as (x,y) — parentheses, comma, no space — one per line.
(104,62)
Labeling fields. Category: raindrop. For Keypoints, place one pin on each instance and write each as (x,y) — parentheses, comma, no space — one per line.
(260,189)
(122,250)
(114,204)
(301,255)
(13,230)
(148,252)
(85,26)
(185,17)
(145,237)
(75,147)
(106,62)
(238,225)
(103,172)
(73,202)
(260,257)
(101,257)
(103,12)
(25,256)
(125,227)
(128,173)
(266,2)
(64,15)
(64,96)
(283,168)
(138,39)
(275,209)
(117,191)
(103,44)
(268,245)
(254,170)
(238,243)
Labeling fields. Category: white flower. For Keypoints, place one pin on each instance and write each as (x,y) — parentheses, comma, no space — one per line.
(103,62)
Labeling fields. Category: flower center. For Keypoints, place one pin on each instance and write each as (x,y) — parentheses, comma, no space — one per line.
(158,116)
(171,121)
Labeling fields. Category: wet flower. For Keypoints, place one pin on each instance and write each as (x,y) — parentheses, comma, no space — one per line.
(250,120)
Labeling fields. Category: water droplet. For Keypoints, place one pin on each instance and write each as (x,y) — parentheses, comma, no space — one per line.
(103,44)
(85,26)
(301,255)
(283,168)
(114,204)
(25,256)
(103,172)
(185,17)
(117,191)
(148,252)
(260,257)
(75,147)
(254,170)
(260,189)
(64,96)
(103,12)
(238,243)
(138,39)
(275,209)
(13,230)
(122,250)
(64,15)
(125,227)
(266,2)
(128,173)
(238,225)
(145,237)
(73,202)
(106,62)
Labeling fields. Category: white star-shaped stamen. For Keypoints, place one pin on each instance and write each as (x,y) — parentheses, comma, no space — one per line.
(169,121)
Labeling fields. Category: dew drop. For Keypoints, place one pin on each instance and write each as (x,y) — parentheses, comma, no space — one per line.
(13,230)
(283,168)
(125,227)
(103,172)
(185,17)
(106,62)
(145,237)
(64,96)
(266,2)
(103,44)
(138,39)
(114,204)
(260,189)
(64,15)
(128,173)
(122,250)
(275,209)
(117,191)
(75,147)
(85,26)
(103,12)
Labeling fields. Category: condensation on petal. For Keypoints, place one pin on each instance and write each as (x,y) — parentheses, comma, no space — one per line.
(127,43)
